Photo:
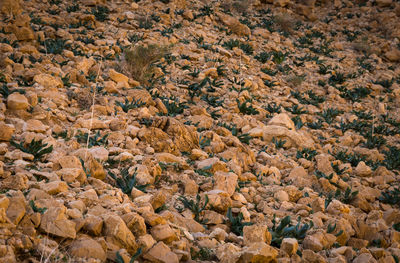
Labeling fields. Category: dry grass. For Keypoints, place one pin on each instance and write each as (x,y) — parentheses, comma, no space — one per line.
(138,62)
(284,22)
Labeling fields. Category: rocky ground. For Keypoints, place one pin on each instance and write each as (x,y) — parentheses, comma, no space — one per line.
(199,131)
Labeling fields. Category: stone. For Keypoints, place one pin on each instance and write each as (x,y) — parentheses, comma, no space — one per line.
(17,101)
(163,233)
(118,77)
(281,196)
(55,187)
(258,252)
(36,126)
(87,248)
(55,222)
(364,258)
(289,245)
(363,170)
(226,182)
(135,223)
(69,175)
(9,7)
(16,208)
(161,253)
(256,233)
(118,233)
(234,24)
(283,120)
(293,138)
(393,55)
(228,253)
(384,3)
(318,241)
(48,81)
(93,225)
(6,131)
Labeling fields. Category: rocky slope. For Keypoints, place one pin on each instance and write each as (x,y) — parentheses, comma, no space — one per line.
(198,131)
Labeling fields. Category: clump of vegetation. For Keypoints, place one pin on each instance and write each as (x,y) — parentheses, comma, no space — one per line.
(195,206)
(138,61)
(127,105)
(94,140)
(391,197)
(127,182)
(236,222)
(286,230)
(37,148)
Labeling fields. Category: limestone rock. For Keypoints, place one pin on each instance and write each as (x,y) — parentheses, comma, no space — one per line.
(118,233)
(256,233)
(290,245)
(234,24)
(226,182)
(283,120)
(16,101)
(55,222)
(6,131)
(258,252)
(87,248)
(161,253)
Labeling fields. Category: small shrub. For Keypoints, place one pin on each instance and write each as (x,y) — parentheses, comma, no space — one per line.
(127,182)
(37,148)
(127,105)
(138,61)
(196,207)
(236,222)
(285,229)
(94,140)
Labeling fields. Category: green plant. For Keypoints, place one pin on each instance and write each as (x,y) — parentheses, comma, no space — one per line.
(204,171)
(273,108)
(298,123)
(263,57)
(316,125)
(392,160)
(173,106)
(296,109)
(278,56)
(236,222)
(195,206)
(204,254)
(330,114)
(243,108)
(100,13)
(94,140)
(332,228)
(336,78)
(120,259)
(127,105)
(279,143)
(127,182)
(348,195)
(204,141)
(54,46)
(306,153)
(391,197)
(37,148)
(5,91)
(37,209)
(285,229)
(245,138)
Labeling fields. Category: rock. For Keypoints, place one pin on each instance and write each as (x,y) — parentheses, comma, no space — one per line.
(17,101)
(283,120)
(384,3)
(281,196)
(135,223)
(163,233)
(118,233)
(318,241)
(363,170)
(219,200)
(161,253)
(234,24)
(87,248)
(226,182)
(293,138)
(48,81)
(118,77)
(281,3)
(289,245)
(6,131)
(393,55)
(256,233)
(55,187)
(36,126)
(69,175)
(364,258)
(258,252)
(9,7)
(93,224)
(55,222)
(228,253)
(16,208)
